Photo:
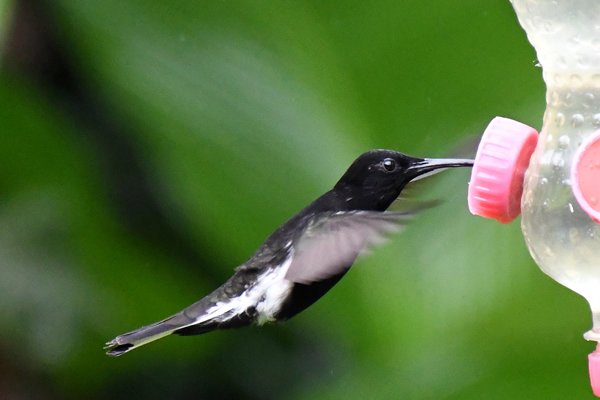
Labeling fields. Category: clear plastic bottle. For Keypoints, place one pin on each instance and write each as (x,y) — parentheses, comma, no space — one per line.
(561,236)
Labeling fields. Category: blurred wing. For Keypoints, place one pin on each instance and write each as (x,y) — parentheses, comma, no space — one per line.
(412,198)
(331,244)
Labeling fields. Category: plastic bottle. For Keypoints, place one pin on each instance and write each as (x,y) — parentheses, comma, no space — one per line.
(560,201)
(562,237)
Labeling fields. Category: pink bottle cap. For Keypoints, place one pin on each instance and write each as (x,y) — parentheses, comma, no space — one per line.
(497,178)
(585,176)
(594,367)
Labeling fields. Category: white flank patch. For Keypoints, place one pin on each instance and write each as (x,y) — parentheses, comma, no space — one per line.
(272,288)
(267,296)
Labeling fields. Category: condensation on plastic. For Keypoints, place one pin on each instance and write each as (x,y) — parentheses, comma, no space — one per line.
(561,236)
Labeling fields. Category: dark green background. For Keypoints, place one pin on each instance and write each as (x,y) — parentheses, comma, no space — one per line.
(234,115)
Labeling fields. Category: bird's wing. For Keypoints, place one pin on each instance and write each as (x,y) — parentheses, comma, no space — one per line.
(413,194)
(332,243)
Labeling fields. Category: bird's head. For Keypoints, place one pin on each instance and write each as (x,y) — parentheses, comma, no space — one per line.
(384,173)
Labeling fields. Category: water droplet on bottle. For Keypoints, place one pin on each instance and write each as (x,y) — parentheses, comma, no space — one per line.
(596,120)
(582,62)
(563,141)
(593,200)
(545,205)
(577,120)
(553,98)
(557,162)
(543,181)
(559,120)
(569,99)
(588,101)
(589,97)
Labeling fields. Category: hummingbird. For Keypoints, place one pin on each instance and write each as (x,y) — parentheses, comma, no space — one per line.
(307,255)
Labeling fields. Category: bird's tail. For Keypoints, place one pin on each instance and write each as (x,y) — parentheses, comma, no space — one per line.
(200,317)
(139,337)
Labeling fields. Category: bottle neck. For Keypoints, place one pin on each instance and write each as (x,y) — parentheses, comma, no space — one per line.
(565,34)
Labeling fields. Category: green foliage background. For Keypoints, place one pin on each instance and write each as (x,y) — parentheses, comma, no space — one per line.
(240,113)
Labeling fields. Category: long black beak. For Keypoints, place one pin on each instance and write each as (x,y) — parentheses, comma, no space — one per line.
(429,166)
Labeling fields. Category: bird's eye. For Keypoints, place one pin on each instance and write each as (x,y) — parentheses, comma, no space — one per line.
(389,164)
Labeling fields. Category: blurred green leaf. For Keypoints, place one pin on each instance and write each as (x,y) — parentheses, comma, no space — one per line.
(6,7)
(62,252)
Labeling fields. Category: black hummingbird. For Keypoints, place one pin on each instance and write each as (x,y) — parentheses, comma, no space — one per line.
(307,255)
